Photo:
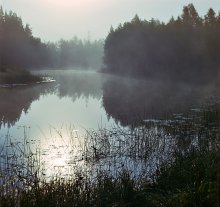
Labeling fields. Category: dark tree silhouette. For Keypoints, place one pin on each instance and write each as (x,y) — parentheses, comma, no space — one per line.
(18,46)
(20,49)
(186,48)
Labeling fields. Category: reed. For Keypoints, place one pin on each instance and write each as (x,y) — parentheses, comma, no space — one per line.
(164,163)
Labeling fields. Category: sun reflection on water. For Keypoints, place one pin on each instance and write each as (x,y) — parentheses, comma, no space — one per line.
(62,153)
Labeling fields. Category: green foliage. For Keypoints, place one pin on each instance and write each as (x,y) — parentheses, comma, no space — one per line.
(192,180)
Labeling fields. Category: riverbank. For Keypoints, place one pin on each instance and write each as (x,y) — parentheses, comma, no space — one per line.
(17,76)
(192,180)
(170,164)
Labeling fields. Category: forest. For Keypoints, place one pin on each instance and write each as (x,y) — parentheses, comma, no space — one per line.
(185,48)
(20,49)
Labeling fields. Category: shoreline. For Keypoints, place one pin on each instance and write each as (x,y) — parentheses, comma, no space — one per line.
(11,85)
(12,77)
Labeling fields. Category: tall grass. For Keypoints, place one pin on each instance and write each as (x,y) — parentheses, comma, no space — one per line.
(163,163)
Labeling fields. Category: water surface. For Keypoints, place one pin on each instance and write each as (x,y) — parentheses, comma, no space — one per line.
(56,117)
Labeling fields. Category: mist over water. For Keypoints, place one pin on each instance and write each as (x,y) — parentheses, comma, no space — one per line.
(90,100)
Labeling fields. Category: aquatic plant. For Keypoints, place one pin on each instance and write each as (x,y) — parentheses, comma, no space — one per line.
(166,163)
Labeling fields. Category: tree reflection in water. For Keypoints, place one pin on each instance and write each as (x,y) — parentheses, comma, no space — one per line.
(130,101)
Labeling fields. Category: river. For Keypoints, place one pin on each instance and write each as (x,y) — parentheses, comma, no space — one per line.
(54,118)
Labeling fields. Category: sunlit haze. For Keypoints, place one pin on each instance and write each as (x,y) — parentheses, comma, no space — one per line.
(54,19)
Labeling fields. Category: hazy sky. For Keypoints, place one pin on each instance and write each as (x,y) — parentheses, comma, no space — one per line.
(54,19)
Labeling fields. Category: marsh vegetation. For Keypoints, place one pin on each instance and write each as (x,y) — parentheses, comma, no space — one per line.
(167,164)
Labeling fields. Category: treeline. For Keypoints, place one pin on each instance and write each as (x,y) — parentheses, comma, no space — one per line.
(79,53)
(19,48)
(187,47)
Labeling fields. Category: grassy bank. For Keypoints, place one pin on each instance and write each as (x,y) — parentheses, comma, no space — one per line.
(192,180)
(12,75)
(175,164)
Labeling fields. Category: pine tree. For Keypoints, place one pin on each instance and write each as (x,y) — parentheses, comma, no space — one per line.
(210,18)
(190,16)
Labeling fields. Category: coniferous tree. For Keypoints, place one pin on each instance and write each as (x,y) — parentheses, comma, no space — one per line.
(20,49)
(186,48)
(210,18)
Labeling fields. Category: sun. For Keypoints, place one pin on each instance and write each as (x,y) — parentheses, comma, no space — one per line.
(68,3)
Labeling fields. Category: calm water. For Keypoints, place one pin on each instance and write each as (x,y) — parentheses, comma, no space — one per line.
(54,117)
(74,99)
(42,113)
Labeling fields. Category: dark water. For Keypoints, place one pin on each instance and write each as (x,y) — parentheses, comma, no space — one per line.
(53,116)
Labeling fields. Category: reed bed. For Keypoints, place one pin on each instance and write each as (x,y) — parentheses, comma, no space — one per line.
(161,163)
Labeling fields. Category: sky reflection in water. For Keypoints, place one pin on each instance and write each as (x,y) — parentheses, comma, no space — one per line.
(57,115)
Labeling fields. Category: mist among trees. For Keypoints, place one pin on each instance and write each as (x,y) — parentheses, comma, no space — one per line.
(186,48)
(19,48)
(80,53)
